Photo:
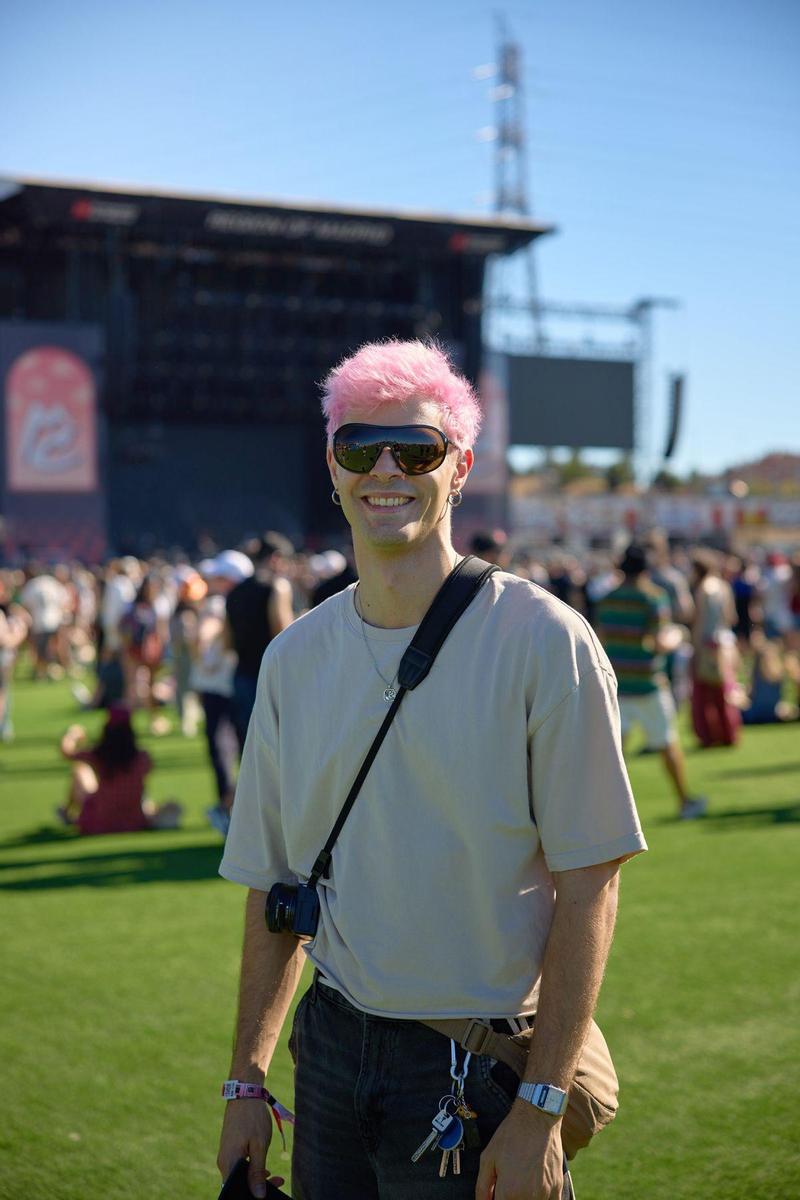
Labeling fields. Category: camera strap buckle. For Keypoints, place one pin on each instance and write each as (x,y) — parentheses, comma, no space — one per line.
(321,868)
(476,1035)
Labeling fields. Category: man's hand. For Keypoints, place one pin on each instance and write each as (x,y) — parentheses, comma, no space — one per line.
(524,1160)
(271,967)
(246,1133)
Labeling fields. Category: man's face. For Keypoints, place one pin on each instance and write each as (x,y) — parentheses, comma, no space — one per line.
(422,509)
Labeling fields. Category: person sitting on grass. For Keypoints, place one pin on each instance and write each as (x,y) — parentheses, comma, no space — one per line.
(106,793)
(772,667)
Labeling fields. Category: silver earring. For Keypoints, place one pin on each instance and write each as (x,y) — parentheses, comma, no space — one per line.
(335,498)
(454,499)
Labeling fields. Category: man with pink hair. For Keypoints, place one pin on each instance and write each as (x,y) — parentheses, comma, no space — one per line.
(476,876)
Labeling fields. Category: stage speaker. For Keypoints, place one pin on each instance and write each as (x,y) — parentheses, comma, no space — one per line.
(676,404)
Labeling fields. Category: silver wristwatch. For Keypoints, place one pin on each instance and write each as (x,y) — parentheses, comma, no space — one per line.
(545,1096)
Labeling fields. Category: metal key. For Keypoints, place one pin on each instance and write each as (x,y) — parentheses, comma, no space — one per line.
(457,1161)
(440,1124)
(450,1144)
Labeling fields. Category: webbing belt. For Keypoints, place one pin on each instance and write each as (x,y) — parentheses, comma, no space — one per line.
(478,1037)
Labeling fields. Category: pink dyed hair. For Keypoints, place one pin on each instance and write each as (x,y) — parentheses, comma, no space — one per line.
(392,372)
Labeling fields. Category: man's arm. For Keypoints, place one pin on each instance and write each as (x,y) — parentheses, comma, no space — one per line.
(524,1159)
(684,601)
(666,637)
(280,613)
(271,967)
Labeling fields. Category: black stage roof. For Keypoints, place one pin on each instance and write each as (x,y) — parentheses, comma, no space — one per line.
(52,205)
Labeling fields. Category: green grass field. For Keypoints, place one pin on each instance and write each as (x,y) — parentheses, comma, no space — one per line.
(120,964)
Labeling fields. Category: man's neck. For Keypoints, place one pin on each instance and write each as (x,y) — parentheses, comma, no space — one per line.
(396,590)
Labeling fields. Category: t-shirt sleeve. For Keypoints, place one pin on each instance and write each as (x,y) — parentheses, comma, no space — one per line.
(255,851)
(581,797)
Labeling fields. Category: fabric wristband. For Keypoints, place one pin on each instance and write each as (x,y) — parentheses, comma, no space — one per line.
(234,1089)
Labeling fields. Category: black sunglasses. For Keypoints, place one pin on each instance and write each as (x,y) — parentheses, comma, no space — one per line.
(416,449)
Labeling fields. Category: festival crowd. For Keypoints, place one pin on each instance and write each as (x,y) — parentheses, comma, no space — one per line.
(184,640)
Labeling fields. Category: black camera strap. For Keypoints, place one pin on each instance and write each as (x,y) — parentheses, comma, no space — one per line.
(453,598)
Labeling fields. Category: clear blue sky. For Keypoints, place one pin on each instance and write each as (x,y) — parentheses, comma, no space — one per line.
(664,143)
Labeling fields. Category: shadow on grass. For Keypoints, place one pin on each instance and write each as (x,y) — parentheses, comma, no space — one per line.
(43,836)
(782,814)
(136,864)
(759,772)
(714,820)
(189,761)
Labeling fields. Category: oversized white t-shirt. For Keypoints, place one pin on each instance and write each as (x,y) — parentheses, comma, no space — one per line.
(47,601)
(502,766)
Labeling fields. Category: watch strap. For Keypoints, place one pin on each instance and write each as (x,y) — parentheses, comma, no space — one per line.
(545,1096)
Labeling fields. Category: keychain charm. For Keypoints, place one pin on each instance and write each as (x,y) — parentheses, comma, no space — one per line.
(452,1119)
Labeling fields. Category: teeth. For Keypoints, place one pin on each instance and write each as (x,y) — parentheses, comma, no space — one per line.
(387,502)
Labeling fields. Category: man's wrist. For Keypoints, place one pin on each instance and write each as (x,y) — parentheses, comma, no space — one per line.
(537,1127)
(249,1073)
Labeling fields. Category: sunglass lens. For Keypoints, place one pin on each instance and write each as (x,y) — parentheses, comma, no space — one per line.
(417,448)
(424,453)
(355,449)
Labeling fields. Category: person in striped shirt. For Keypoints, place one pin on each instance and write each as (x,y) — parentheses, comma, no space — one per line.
(634,626)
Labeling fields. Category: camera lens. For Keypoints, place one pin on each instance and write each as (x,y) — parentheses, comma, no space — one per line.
(281,908)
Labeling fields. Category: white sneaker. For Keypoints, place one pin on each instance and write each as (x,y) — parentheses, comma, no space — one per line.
(82,694)
(694,808)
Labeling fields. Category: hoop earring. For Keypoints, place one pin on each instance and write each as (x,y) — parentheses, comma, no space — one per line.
(335,498)
(454,499)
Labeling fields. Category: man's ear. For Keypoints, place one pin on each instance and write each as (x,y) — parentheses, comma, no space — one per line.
(463,467)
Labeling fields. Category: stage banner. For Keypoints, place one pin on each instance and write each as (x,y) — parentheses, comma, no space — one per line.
(53,501)
(51,426)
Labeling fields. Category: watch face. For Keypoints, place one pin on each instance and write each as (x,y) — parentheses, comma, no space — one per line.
(544,1096)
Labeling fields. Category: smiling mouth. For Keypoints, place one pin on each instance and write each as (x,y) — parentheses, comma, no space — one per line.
(388,501)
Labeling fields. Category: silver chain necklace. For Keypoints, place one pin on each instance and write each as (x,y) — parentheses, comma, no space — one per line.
(389,692)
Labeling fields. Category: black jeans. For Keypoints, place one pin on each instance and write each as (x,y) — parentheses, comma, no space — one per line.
(243,702)
(366,1091)
(219,713)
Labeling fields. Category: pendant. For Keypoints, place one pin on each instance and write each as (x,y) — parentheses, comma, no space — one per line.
(389,694)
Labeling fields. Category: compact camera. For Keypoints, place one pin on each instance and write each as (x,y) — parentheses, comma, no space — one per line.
(293,909)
